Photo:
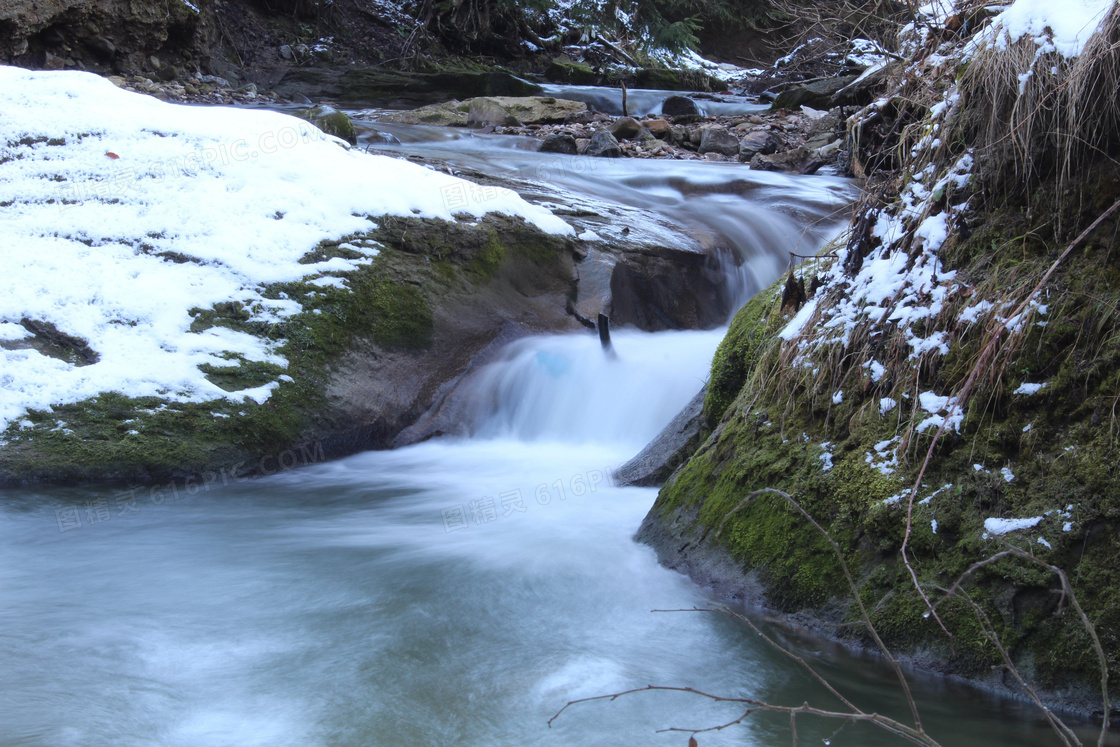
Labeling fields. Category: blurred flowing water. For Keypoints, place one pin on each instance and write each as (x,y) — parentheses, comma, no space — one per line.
(457,592)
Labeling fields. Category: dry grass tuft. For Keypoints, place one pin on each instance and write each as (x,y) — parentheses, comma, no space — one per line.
(1033,115)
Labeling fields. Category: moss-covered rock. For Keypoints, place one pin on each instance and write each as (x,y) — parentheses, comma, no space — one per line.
(564,70)
(367,85)
(678,80)
(331,121)
(851,464)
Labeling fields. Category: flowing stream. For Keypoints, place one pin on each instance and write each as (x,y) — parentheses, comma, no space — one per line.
(457,592)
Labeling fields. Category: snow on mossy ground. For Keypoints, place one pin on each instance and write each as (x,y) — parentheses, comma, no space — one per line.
(121,213)
(938,263)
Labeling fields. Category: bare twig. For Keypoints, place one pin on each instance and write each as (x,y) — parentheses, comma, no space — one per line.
(851,585)
(754,706)
(1067,593)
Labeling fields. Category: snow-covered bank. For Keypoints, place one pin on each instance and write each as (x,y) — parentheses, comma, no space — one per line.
(121,213)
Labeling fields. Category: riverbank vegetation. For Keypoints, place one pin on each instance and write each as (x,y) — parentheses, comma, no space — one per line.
(948,393)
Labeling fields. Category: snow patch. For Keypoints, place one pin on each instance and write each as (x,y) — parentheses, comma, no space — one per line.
(995,526)
(101,182)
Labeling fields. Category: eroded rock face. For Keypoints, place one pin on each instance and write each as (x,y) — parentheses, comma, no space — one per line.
(817,95)
(98,33)
(679,290)
(371,84)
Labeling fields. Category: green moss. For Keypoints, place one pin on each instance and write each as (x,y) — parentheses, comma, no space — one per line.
(752,332)
(488,261)
(241,374)
(1060,446)
(563,70)
(124,437)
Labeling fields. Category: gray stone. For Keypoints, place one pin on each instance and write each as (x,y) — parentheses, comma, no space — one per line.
(676,106)
(448,114)
(53,62)
(796,161)
(817,95)
(101,47)
(625,128)
(541,109)
(671,448)
(718,140)
(559,142)
(603,144)
(286,52)
(759,141)
(376,137)
(486,112)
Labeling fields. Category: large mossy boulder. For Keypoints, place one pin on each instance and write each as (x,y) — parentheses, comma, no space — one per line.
(565,70)
(487,112)
(331,121)
(378,85)
(678,80)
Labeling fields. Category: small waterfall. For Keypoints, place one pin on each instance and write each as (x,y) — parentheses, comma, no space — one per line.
(565,388)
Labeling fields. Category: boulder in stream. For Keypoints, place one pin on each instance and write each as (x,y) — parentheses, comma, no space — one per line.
(718,140)
(485,112)
(331,121)
(603,144)
(559,142)
(797,161)
(758,141)
(625,128)
(676,106)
